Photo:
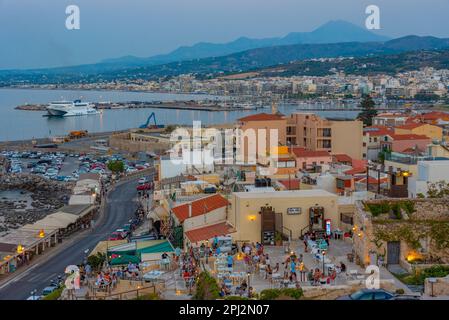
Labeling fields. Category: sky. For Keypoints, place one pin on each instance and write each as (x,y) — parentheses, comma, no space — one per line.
(33,32)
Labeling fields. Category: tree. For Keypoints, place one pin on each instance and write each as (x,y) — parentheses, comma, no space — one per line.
(439,189)
(368,110)
(206,287)
(116,166)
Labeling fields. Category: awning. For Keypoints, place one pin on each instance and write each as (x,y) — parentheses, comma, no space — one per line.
(208,232)
(125,259)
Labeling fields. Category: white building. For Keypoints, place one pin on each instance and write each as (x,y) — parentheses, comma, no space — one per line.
(428,172)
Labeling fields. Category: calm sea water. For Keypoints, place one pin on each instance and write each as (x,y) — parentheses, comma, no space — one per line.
(21,125)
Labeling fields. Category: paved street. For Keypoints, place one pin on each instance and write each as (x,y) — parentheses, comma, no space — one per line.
(120,208)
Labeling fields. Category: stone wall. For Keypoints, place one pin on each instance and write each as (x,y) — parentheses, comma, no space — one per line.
(423,234)
(439,288)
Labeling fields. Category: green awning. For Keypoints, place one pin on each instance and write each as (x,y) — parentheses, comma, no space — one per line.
(125,259)
(161,247)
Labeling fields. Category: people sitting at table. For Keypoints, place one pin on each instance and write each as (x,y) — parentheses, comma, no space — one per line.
(268,272)
(316,276)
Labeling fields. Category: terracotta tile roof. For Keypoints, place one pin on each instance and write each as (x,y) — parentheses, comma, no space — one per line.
(355,171)
(401,137)
(262,117)
(410,126)
(342,158)
(292,184)
(303,153)
(434,115)
(208,232)
(375,131)
(372,180)
(200,206)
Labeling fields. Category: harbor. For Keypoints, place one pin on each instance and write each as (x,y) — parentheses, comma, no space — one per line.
(33,125)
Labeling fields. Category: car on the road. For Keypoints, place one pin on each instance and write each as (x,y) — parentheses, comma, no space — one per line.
(368,294)
(48,290)
(146,186)
(123,232)
(143,180)
(116,236)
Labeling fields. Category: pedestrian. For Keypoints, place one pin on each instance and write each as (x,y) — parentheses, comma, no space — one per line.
(230,260)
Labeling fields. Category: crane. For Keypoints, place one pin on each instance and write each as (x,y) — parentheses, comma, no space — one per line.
(145,125)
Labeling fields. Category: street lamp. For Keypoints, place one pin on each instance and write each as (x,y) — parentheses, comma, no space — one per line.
(249,277)
(324,254)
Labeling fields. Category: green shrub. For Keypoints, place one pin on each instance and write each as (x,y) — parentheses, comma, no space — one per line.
(274,294)
(236,298)
(55,295)
(378,208)
(206,287)
(96,261)
(396,209)
(418,278)
(149,296)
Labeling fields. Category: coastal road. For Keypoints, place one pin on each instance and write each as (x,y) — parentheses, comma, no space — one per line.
(120,207)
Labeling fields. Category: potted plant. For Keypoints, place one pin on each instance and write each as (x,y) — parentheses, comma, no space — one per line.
(278,238)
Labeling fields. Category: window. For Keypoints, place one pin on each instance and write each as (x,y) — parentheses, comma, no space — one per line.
(381,296)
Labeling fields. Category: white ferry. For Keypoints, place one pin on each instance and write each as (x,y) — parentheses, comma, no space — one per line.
(68,108)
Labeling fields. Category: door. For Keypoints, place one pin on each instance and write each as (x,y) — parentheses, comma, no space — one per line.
(393,252)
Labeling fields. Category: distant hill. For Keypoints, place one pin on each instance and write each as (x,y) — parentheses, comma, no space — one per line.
(331,32)
(367,65)
(254,59)
(271,56)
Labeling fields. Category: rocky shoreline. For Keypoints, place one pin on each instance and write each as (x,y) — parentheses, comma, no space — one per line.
(46,197)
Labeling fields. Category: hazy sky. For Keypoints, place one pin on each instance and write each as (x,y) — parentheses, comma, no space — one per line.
(33,33)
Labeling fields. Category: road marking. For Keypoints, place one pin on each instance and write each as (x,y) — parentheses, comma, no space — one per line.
(20,276)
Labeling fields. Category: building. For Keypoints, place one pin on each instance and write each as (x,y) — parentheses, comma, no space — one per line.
(258,126)
(202,214)
(311,160)
(406,142)
(428,130)
(374,136)
(428,172)
(306,130)
(383,230)
(335,136)
(257,216)
(390,119)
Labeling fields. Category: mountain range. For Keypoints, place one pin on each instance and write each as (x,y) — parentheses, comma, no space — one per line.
(268,56)
(331,32)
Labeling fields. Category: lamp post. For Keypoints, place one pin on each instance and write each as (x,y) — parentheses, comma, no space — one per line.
(249,286)
(324,254)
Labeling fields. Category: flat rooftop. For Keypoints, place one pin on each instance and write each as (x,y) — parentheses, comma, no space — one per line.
(285,194)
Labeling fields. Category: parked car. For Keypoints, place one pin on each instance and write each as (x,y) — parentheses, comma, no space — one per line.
(116,236)
(143,180)
(48,290)
(146,186)
(368,294)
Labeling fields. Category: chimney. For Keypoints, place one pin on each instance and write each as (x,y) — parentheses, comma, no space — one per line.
(190,209)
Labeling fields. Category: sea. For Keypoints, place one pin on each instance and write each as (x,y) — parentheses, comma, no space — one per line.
(25,125)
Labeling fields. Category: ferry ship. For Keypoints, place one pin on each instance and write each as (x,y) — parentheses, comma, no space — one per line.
(68,108)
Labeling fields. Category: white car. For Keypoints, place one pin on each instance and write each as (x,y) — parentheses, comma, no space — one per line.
(143,180)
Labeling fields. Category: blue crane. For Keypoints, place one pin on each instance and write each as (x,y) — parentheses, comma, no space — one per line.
(145,125)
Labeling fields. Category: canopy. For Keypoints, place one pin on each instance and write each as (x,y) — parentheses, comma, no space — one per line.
(125,259)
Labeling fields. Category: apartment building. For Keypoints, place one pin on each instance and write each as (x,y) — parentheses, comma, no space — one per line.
(312,132)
